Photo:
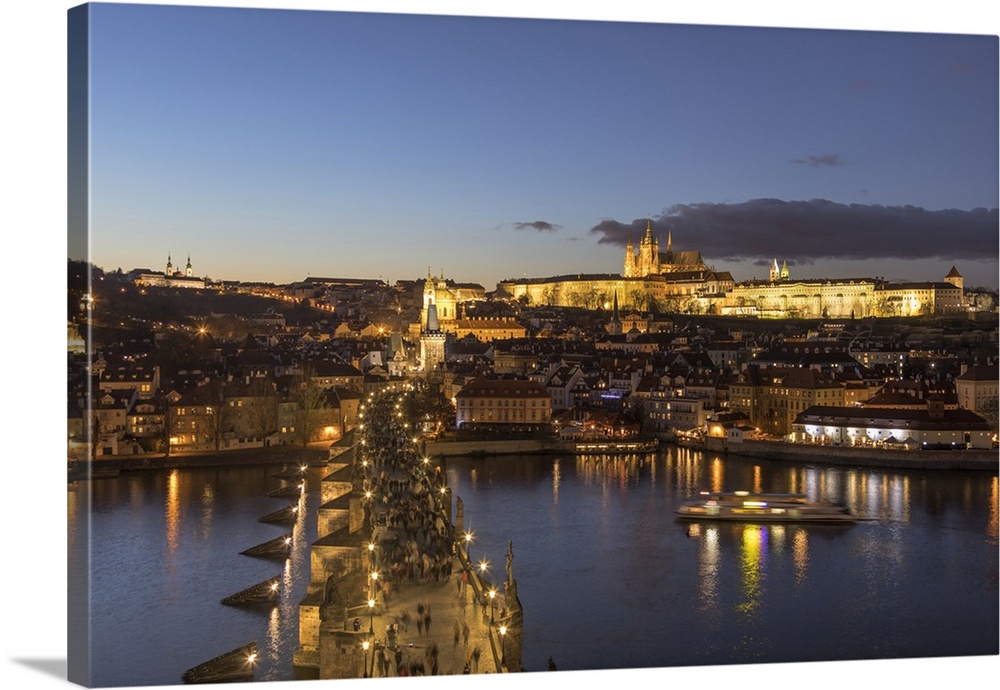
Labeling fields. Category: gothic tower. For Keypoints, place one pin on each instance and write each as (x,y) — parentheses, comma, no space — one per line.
(170,266)
(629,270)
(775,273)
(432,340)
(188,271)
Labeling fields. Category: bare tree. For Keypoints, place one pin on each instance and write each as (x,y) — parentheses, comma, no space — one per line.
(310,399)
(261,407)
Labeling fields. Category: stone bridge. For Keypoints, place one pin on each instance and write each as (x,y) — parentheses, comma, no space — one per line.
(392,591)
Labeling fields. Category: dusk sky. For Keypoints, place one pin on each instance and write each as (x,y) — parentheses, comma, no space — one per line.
(276,144)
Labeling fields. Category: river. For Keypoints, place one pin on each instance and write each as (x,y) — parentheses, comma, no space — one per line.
(607,577)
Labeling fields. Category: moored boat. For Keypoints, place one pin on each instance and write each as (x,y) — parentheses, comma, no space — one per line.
(745,506)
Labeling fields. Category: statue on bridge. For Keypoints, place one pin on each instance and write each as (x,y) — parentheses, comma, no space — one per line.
(510,587)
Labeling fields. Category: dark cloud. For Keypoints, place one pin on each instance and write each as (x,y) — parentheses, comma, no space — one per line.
(807,231)
(827,161)
(538,225)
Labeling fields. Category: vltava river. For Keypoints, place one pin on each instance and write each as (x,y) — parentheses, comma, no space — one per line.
(607,576)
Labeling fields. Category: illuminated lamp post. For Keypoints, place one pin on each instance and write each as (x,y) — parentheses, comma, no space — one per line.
(371,619)
(493,597)
(468,544)
(365,645)
(503,651)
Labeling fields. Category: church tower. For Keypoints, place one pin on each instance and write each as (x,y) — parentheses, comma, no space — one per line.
(615,324)
(629,270)
(784,270)
(188,271)
(775,272)
(649,252)
(170,266)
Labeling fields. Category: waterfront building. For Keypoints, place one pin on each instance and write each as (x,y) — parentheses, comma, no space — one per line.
(493,401)
(929,427)
(665,412)
(772,397)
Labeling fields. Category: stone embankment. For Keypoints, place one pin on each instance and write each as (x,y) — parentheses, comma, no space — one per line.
(312,454)
(771,450)
(864,457)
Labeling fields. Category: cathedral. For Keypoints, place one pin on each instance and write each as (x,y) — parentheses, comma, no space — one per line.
(648,260)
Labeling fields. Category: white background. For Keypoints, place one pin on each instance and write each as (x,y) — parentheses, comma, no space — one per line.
(33,41)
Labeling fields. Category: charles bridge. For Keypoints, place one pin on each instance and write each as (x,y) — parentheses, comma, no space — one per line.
(392,590)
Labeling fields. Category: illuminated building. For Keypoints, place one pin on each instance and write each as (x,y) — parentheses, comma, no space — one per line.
(169,278)
(649,260)
(502,402)
(931,426)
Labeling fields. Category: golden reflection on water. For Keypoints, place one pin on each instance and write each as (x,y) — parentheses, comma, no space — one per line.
(752,568)
(172,510)
(718,474)
(991,526)
(800,555)
(708,567)
(757,479)
(556,478)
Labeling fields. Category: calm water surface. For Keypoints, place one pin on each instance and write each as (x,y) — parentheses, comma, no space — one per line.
(607,576)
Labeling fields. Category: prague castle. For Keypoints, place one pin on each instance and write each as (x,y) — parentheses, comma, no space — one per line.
(681,282)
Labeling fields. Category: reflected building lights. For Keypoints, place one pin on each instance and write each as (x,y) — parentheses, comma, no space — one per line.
(752,553)
(991,526)
(757,479)
(172,510)
(556,479)
(718,475)
(708,569)
(800,555)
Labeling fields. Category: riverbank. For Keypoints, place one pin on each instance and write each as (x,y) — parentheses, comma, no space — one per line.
(313,454)
(865,457)
(772,450)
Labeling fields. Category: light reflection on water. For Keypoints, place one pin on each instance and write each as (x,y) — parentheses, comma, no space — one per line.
(165,552)
(722,592)
(607,576)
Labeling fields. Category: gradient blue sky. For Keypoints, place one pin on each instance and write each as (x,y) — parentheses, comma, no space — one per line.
(276,144)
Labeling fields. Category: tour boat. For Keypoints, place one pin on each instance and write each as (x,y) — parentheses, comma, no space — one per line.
(746,506)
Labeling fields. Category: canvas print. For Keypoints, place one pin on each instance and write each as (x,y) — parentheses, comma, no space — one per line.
(421,345)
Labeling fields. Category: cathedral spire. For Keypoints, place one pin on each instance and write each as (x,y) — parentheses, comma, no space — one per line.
(670,241)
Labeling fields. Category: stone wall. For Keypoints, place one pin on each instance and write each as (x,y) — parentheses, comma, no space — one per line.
(874,457)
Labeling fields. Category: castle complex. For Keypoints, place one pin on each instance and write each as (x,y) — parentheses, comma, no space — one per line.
(681,282)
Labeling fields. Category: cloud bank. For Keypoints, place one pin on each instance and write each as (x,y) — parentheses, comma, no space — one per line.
(807,231)
(538,225)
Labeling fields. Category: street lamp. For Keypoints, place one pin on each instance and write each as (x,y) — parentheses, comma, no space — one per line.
(371,620)
(468,543)
(493,596)
(365,645)
(503,651)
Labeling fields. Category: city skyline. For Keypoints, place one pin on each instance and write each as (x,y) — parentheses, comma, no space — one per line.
(381,145)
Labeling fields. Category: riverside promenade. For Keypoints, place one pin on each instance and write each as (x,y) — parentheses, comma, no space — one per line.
(392,591)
